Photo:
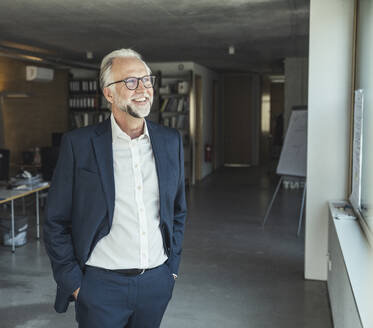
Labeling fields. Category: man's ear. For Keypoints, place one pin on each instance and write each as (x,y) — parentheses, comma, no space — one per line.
(109,95)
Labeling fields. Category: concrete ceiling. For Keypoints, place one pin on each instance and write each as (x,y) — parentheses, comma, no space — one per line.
(263,32)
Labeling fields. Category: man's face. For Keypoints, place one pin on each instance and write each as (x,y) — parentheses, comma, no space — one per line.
(136,102)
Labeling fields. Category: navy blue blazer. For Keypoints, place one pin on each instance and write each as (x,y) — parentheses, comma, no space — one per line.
(80,203)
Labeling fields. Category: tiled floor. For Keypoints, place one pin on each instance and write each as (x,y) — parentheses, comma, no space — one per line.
(234,274)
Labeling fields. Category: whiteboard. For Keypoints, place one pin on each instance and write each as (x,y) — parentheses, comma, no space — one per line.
(293,158)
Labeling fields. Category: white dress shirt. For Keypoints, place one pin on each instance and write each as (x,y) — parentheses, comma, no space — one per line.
(135,239)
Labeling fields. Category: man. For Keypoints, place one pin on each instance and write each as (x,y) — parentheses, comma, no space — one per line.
(116,208)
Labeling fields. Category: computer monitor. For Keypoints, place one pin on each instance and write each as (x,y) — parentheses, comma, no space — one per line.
(4,164)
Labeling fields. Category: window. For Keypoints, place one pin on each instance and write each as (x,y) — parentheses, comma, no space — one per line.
(364,81)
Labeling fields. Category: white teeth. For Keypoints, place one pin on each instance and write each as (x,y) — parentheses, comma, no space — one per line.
(140,99)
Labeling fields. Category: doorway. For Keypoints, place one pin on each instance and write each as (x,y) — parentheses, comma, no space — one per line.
(237,123)
(198,140)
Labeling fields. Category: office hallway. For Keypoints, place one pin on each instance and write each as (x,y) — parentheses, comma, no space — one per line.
(233,274)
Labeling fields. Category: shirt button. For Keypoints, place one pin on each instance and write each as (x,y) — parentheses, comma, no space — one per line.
(139,187)
(143,233)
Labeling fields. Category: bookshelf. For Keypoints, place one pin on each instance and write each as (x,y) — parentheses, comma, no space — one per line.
(174,94)
(154,111)
(86,104)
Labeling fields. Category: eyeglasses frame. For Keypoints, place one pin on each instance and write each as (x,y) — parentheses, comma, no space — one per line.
(138,81)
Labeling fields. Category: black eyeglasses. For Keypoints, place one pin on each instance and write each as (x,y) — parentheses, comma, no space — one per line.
(132,83)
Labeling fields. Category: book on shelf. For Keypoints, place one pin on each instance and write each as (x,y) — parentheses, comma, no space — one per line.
(83,86)
(164,104)
(74,86)
(173,121)
(172,105)
(186,106)
(84,102)
(86,119)
(77,122)
(181,119)
(166,122)
(80,119)
(180,105)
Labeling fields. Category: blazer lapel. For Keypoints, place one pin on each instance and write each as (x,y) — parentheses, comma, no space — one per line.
(157,141)
(102,143)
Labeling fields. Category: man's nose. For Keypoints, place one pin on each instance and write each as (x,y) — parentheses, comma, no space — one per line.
(141,86)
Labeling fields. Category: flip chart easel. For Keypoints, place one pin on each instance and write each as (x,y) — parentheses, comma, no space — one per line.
(293,158)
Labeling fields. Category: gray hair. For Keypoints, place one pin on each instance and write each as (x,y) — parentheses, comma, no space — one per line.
(107,63)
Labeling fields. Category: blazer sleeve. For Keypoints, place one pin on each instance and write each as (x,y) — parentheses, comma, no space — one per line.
(180,212)
(57,222)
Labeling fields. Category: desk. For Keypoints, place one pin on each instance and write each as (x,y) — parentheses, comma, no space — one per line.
(32,168)
(10,195)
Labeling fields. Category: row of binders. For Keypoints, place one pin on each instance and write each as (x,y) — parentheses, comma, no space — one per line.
(83,86)
(84,119)
(84,102)
(174,104)
(177,121)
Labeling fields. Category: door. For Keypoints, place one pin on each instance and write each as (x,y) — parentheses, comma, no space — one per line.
(237,125)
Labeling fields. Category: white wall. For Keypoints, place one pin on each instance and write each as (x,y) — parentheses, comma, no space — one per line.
(330,58)
(208,77)
(296,85)
(344,310)
(207,101)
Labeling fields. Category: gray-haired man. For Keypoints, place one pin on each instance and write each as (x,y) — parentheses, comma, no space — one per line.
(116,209)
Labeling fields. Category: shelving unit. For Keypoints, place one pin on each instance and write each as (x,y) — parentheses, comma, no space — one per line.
(154,112)
(174,110)
(85,103)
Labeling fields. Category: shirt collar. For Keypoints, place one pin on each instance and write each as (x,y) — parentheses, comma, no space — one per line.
(117,132)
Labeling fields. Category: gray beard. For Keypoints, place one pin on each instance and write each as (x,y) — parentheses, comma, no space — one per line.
(128,109)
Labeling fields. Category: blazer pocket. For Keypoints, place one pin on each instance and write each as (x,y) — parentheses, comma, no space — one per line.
(87,171)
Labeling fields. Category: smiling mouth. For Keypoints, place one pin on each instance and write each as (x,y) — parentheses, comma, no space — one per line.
(141,100)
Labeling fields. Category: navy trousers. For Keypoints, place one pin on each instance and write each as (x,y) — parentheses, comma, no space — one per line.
(108,299)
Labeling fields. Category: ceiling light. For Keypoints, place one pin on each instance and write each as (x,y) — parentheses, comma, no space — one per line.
(231,50)
(38,59)
(17,95)
(25,47)
(277,78)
